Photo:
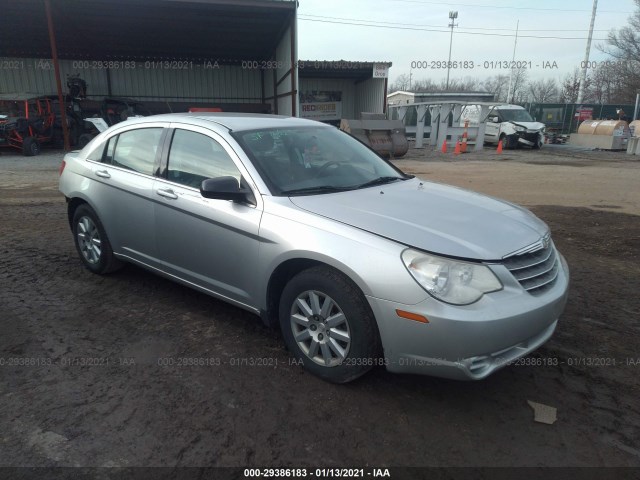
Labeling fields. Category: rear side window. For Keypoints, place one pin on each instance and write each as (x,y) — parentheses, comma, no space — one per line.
(194,157)
(96,155)
(135,150)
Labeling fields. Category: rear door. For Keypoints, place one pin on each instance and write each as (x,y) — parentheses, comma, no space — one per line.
(121,171)
(210,243)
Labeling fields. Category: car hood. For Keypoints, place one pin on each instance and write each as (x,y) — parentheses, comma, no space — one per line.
(530,125)
(432,217)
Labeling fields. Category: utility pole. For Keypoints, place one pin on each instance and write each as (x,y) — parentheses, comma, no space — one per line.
(452,16)
(515,44)
(585,64)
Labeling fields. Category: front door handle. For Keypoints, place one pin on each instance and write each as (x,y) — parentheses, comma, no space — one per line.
(103,174)
(167,193)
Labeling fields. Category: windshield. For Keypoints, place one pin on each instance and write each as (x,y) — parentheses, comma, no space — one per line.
(515,115)
(309,160)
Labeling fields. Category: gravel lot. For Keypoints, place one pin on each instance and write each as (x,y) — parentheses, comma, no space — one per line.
(88,364)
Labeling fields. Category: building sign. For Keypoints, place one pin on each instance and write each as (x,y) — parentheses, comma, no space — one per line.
(584,113)
(322,106)
(380,70)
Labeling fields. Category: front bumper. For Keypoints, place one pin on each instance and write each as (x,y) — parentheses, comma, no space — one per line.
(530,138)
(470,342)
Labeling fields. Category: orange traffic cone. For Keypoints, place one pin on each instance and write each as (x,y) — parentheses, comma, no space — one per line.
(457,151)
(444,146)
(499,149)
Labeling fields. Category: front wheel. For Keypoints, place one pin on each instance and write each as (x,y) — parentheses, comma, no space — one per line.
(30,147)
(537,145)
(92,243)
(327,325)
(507,142)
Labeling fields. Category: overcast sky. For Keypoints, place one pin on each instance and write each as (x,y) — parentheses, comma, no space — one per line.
(416,30)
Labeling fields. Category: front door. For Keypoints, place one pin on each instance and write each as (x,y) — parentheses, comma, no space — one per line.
(209,243)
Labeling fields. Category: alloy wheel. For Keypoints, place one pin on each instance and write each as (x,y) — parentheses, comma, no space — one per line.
(320,328)
(89,240)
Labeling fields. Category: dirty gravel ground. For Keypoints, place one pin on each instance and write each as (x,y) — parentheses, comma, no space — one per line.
(83,380)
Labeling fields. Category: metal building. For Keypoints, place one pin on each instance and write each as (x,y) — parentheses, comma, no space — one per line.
(331,90)
(239,53)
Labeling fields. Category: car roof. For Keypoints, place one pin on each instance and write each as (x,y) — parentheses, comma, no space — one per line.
(232,121)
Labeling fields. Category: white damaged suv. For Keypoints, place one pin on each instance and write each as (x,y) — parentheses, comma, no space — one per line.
(513,126)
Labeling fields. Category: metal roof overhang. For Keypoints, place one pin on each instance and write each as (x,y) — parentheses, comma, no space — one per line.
(358,71)
(227,31)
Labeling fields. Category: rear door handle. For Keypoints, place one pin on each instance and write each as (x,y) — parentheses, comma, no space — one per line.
(167,193)
(103,174)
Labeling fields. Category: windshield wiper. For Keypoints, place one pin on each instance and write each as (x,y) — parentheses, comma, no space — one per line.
(380,181)
(317,189)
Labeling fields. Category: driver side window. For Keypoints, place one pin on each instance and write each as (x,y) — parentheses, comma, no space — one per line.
(194,157)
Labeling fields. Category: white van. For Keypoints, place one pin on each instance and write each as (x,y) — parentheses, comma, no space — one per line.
(510,124)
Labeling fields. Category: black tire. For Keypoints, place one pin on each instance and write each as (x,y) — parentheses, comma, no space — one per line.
(509,142)
(30,147)
(97,256)
(84,139)
(362,350)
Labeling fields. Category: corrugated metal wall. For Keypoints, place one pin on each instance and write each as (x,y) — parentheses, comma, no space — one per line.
(347,87)
(367,96)
(283,63)
(147,81)
(370,96)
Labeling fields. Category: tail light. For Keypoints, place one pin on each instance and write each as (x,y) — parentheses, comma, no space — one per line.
(62,165)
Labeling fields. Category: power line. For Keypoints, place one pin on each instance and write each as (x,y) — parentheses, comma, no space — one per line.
(440,26)
(456,4)
(460,32)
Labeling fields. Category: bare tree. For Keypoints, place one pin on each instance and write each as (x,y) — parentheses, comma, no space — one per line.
(625,42)
(466,84)
(426,85)
(459,85)
(624,46)
(543,91)
(571,85)
(497,85)
(401,84)
(605,83)
(519,93)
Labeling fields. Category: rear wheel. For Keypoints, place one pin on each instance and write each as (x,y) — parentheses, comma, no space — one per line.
(92,243)
(30,147)
(328,325)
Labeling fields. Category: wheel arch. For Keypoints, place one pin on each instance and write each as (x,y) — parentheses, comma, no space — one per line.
(284,272)
(72,206)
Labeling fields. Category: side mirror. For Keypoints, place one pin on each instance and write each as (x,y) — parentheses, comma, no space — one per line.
(226,188)
(493,119)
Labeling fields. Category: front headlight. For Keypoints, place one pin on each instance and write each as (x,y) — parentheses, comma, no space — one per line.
(520,129)
(451,281)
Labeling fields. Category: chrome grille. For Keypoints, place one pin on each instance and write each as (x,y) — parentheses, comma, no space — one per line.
(536,269)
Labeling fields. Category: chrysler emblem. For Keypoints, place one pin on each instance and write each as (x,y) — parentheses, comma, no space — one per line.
(546,240)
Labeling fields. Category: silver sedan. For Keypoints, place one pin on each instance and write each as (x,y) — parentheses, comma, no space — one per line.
(358,264)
